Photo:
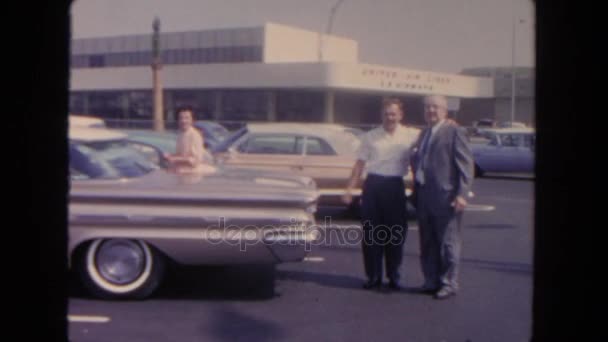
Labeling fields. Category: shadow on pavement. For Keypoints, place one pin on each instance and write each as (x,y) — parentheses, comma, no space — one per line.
(498,226)
(242,282)
(246,282)
(337,281)
(506,267)
(229,325)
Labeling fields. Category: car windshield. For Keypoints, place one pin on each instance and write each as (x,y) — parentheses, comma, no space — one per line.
(226,143)
(107,160)
(219,131)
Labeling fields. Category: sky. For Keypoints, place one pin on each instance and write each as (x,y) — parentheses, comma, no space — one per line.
(434,35)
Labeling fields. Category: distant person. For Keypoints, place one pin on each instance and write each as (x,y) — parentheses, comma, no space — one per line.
(385,153)
(443,173)
(190,152)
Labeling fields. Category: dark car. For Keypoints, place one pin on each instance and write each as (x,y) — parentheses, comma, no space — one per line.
(213,133)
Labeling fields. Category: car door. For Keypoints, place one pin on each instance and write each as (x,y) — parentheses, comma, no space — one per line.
(488,155)
(511,154)
(527,153)
(267,151)
(330,170)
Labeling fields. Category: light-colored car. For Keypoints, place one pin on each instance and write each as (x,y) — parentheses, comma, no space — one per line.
(86,121)
(505,150)
(324,152)
(128,217)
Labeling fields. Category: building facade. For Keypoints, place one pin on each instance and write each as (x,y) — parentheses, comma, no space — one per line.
(499,106)
(267,73)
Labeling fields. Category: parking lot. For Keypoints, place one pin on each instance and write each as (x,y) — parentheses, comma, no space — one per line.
(322,299)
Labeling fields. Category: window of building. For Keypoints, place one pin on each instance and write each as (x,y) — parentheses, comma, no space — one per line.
(97,61)
(300,106)
(244,105)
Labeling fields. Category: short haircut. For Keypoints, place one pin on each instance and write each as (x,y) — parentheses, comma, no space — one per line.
(440,99)
(185,109)
(392,101)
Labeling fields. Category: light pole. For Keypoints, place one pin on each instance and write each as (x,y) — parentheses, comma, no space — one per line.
(513,71)
(159,124)
(330,22)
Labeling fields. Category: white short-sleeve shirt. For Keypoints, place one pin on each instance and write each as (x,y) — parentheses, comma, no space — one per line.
(190,145)
(387,154)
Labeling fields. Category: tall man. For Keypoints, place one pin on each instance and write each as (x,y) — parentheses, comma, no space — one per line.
(385,152)
(443,167)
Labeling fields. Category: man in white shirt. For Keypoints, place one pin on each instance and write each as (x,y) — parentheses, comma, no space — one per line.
(189,149)
(385,153)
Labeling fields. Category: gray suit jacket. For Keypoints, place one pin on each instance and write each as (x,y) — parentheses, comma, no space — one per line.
(448,171)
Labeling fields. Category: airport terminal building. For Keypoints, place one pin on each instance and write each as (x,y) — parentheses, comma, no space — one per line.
(267,73)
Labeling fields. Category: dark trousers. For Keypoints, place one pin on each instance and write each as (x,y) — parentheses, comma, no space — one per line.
(384,220)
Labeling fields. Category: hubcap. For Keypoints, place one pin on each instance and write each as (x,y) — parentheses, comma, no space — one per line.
(120,261)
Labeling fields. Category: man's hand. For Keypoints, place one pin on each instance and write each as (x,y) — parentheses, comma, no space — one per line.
(451,122)
(347,198)
(459,204)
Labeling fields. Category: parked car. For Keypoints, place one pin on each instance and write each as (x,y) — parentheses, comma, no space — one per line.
(213,132)
(85,121)
(509,124)
(505,150)
(324,152)
(157,144)
(128,217)
(165,141)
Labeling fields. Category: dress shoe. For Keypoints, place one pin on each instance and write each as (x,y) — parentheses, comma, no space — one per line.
(393,285)
(428,289)
(445,293)
(372,284)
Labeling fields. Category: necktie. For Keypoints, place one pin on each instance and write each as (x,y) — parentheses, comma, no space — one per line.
(422,156)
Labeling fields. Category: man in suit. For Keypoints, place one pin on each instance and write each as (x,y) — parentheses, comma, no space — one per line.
(443,172)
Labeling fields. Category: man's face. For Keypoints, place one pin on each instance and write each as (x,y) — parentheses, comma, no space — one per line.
(185,119)
(392,115)
(435,109)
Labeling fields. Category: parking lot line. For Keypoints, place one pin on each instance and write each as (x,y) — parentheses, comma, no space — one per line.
(88,319)
(479,207)
(314,259)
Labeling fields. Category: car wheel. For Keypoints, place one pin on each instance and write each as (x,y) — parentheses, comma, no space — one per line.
(478,171)
(121,269)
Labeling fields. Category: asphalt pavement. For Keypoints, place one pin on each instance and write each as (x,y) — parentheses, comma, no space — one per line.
(321,299)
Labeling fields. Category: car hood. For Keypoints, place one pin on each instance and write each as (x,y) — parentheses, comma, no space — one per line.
(233,187)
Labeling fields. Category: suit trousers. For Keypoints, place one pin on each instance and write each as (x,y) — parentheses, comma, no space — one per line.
(384,221)
(440,242)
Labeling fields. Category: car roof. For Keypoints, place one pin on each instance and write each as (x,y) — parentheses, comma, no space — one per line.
(150,133)
(335,134)
(509,130)
(296,127)
(88,134)
(85,121)
(206,122)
